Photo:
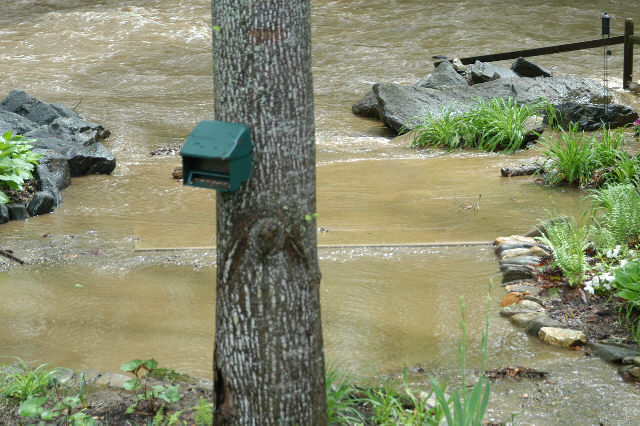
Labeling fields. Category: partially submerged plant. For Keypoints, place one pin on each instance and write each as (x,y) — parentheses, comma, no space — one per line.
(570,157)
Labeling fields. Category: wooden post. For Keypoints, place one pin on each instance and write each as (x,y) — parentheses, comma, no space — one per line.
(627,68)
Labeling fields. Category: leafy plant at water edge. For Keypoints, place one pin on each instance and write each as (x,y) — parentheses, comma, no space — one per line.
(627,284)
(568,241)
(443,131)
(469,408)
(499,124)
(142,388)
(22,383)
(17,161)
(570,157)
(204,413)
(620,221)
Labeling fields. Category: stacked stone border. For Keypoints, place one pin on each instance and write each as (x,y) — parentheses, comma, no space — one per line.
(520,258)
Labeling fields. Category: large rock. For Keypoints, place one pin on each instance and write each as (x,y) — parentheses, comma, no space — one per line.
(517,273)
(562,337)
(613,353)
(522,307)
(367,106)
(17,211)
(444,75)
(525,68)
(4,214)
(42,202)
(14,123)
(397,103)
(589,116)
(32,108)
(53,173)
(481,72)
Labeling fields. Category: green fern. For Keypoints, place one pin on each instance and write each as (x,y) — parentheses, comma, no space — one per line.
(620,221)
(568,241)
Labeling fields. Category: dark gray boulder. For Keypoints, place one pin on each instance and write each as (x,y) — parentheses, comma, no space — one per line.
(517,273)
(42,202)
(525,68)
(32,108)
(589,116)
(481,72)
(613,352)
(397,104)
(17,212)
(444,75)
(367,106)
(4,214)
(14,123)
(53,173)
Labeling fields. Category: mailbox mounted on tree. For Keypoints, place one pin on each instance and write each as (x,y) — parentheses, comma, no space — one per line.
(217,155)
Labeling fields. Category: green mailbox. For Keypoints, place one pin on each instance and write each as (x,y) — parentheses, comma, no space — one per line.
(217,155)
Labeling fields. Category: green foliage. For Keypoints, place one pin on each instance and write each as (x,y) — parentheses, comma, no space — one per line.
(17,161)
(204,413)
(570,157)
(469,407)
(620,221)
(627,284)
(341,403)
(490,125)
(143,390)
(444,131)
(22,383)
(568,241)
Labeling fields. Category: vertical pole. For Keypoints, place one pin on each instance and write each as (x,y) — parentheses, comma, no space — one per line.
(627,68)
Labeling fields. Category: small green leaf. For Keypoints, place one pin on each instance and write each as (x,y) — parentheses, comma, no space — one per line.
(216,28)
(78,285)
(308,217)
(131,366)
(132,384)
(131,408)
(151,364)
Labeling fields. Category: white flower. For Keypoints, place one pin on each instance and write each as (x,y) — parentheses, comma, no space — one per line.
(607,277)
(588,288)
(613,252)
(623,262)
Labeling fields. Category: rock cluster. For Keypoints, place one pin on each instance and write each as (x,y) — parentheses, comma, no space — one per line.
(519,257)
(457,87)
(70,146)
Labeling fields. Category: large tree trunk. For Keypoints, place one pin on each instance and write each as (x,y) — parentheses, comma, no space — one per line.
(268,357)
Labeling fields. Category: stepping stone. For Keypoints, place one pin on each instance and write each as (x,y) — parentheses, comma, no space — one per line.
(527,282)
(522,288)
(521,320)
(517,272)
(562,337)
(520,260)
(515,239)
(533,328)
(613,353)
(522,307)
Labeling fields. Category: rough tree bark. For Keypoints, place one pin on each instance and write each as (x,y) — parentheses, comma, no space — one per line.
(268,356)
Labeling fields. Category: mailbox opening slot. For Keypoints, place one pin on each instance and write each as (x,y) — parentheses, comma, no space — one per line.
(208,180)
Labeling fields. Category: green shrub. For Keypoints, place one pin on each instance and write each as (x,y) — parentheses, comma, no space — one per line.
(17,161)
(568,241)
(22,383)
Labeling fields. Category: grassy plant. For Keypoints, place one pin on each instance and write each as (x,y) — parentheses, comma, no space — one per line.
(17,161)
(568,241)
(627,284)
(341,402)
(22,382)
(490,125)
(443,131)
(570,157)
(499,124)
(143,390)
(620,221)
(469,408)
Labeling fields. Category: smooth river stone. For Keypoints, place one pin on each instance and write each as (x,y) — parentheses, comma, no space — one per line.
(533,328)
(562,337)
(522,288)
(522,307)
(521,320)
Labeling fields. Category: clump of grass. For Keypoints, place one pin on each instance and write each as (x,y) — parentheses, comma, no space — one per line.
(21,382)
(490,125)
(570,157)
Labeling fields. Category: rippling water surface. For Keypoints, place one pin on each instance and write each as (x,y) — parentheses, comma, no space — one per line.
(143,69)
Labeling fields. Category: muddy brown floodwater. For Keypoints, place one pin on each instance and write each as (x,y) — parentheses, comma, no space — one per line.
(94,294)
